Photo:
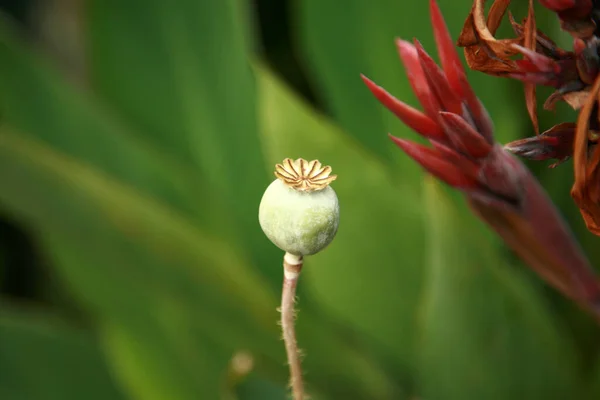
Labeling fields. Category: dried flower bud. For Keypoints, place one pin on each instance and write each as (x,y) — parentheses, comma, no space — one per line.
(299,211)
(555,143)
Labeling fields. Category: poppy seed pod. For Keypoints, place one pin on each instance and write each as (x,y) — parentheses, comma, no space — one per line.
(299,211)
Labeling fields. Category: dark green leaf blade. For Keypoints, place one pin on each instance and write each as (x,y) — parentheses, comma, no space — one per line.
(486,330)
(43,358)
(181,75)
(38,102)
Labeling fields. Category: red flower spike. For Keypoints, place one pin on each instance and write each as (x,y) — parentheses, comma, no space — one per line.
(477,111)
(437,165)
(416,77)
(455,73)
(498,187)
(438,83)
(449,59)
(412,117)
(464,163)
(476,146)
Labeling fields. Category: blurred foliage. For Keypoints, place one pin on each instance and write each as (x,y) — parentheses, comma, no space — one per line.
(136,140)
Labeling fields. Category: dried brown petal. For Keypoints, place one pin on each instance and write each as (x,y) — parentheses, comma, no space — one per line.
(544,44)
(586,160)
(575,99)
(483,51)
(530,43)
(555,143)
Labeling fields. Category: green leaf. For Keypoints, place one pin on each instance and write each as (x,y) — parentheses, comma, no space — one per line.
(594,387)
(254,388)
(108,258)
(79,199)
(125,251)
(38,102)
(178,361)
(3,266)
(181,75)
(42,358)
(486,332)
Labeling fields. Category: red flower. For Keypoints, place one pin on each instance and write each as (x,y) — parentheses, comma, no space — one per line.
(464,154)
(572,8)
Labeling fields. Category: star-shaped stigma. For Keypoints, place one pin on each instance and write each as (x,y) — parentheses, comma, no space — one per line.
(304,176)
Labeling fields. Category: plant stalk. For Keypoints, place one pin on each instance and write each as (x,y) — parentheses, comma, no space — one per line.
(292,265)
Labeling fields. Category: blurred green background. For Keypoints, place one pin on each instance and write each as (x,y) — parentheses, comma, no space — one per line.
(136,140)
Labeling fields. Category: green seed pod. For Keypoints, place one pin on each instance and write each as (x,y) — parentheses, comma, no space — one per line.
(299,211)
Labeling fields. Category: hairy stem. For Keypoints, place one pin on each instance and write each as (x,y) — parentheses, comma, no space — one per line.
(292,265)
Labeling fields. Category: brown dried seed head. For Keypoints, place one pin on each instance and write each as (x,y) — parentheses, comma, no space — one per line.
(304,176)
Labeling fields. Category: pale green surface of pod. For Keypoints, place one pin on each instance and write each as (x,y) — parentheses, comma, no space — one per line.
(299,222)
